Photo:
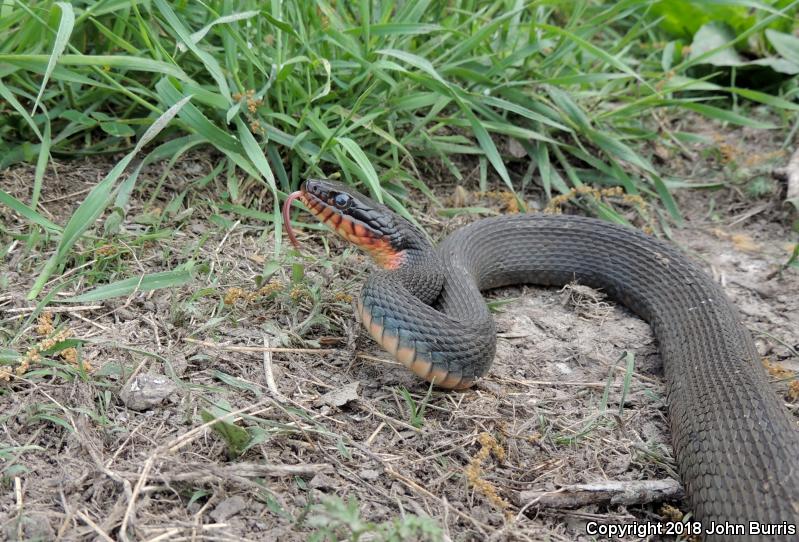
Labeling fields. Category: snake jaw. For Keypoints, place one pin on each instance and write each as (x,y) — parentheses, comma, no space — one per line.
(362,235)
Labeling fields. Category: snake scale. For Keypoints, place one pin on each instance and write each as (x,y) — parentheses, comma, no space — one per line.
(737,447)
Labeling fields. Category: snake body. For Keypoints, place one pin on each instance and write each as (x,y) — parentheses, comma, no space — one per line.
(736,446)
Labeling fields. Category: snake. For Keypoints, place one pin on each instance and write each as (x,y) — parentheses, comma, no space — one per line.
(736,445)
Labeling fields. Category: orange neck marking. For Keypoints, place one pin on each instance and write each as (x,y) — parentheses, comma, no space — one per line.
(382,252)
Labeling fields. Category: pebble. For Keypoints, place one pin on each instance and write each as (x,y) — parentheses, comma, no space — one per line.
(146,391)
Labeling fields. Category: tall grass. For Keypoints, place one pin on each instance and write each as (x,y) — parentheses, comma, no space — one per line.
(365,90)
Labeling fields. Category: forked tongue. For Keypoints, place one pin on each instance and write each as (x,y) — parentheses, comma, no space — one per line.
(287,219)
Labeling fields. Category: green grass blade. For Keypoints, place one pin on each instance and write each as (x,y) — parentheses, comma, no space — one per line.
(488,146)
(197,121)
(261,163)
(366,169)
(154,281)
(65,27)
(41,162)
(9,97)
(15,205)
(598,52)
(727,116)
(39,63)
(616,148)
(210,63)
(233,17)
(96,202)
(629,357)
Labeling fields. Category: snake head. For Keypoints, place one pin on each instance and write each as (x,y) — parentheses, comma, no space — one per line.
(360,220)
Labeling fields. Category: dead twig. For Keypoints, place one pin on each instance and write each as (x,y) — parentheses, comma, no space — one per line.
(97,529)
(228,348)
(71,308)
(241,470)
(790,175)
(632,492)
(269,374)
(485,528)
(171,447)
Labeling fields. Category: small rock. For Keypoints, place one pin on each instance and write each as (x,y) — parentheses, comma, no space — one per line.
(125,314)
(146,391)
(516,149)
(228,508)
(179,363)
(369,474)
(323,481)
(341,396)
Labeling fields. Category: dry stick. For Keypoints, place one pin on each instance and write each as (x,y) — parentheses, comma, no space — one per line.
(790,175)
(20,505)
(632,492)
(172,446)
(269,374)
(385,361)
(368,408)
(166,535)
(67,518)
(376,432)
(97,529)
(419,489)
(242,470)
(73,308)
(169,534)
(228,348)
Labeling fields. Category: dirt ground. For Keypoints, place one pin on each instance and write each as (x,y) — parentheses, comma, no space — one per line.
(329,416)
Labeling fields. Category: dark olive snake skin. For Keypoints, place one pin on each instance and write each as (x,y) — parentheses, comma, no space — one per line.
(736,446)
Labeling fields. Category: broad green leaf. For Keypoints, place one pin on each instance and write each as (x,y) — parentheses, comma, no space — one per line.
(715,36)
(786,45)
(118,129)
(236,437)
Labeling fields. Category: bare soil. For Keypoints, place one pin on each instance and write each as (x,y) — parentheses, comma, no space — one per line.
(78,464)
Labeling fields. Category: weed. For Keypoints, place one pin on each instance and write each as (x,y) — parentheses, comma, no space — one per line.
(416,410)
(334,519)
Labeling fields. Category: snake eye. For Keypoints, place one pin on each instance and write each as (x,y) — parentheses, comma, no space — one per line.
(341,200)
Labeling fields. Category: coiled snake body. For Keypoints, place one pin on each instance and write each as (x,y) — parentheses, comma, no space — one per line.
(737,448)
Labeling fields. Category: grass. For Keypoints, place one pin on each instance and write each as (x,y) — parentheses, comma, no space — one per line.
(565,100)
(364,91)
(415,410)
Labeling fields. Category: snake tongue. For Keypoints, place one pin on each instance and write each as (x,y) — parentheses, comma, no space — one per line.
(287,219)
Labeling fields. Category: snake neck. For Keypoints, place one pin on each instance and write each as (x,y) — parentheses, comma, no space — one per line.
(420,273)
(415,263)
